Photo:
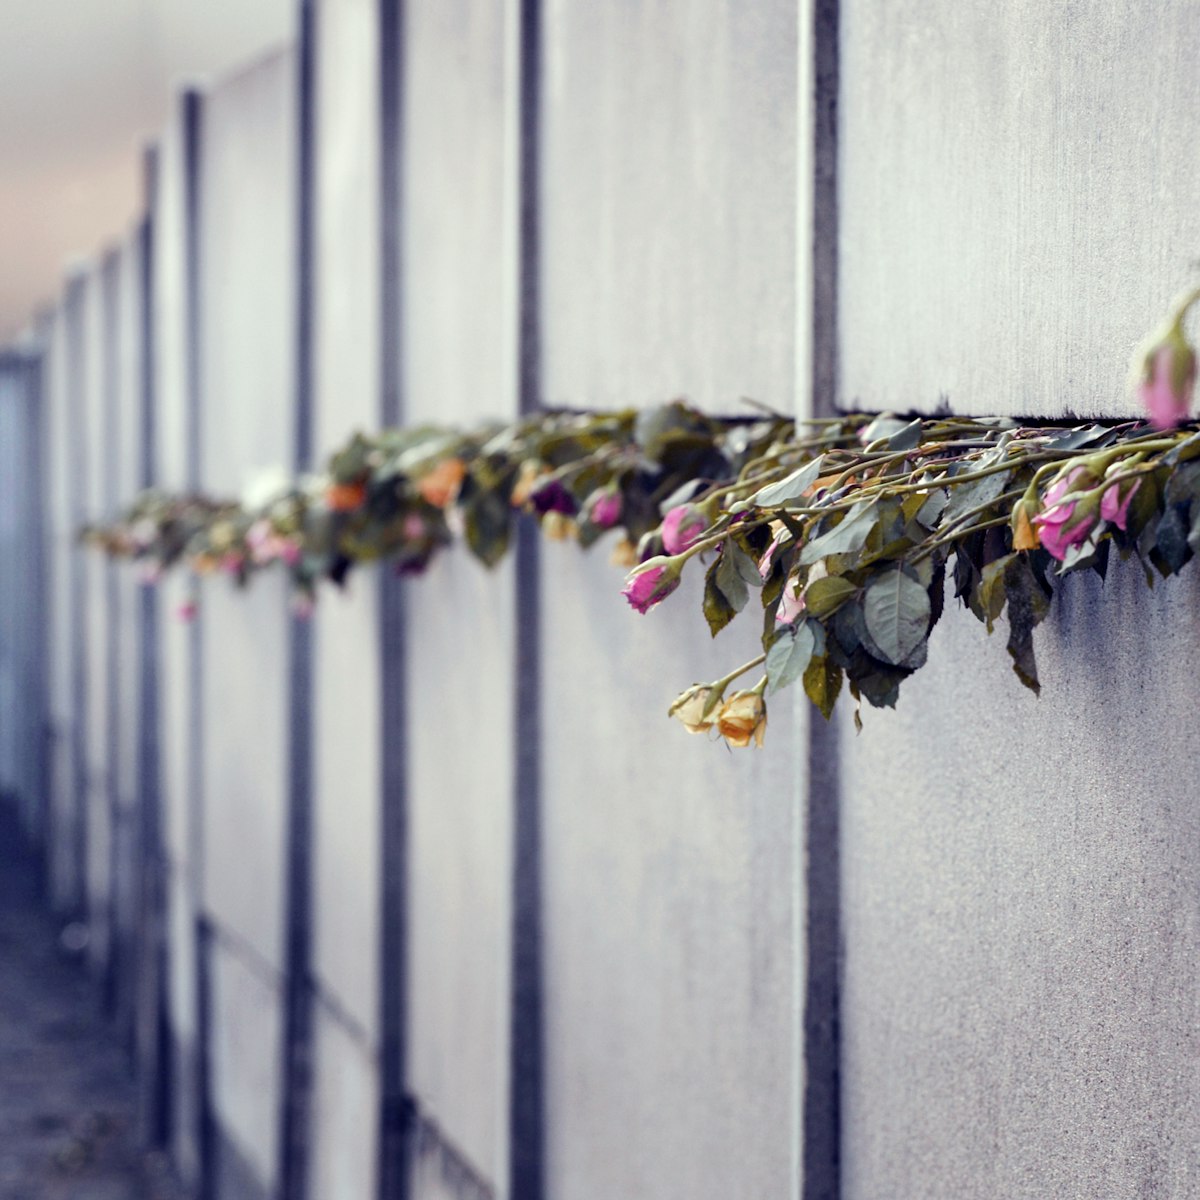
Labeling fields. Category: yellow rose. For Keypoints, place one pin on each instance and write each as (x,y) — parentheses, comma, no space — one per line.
(743,717)
(689,709)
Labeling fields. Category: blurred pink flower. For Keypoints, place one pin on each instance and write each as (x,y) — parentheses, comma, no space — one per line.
(1168,382)
(682,527)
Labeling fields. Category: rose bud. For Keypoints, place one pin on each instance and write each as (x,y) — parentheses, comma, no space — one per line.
(743,718)
(651,583)
(689,708)
(1066,523)
(604,507)
(1114,507)
(1167,379)
(683,527)
(551,495)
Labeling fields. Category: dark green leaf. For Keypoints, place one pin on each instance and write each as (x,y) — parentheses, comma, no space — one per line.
(717,609)
(789,656)
(1171,541)
(729,578)
(791,488)
(896,610)
(1027,605)
(822,682)
(826,595)
(846,537)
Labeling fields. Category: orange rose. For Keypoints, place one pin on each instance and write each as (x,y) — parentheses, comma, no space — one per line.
(345,497)
(440,485)
(743,717)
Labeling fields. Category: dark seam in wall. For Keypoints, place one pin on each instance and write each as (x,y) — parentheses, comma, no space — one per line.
(526,1047)
(822,1018)
(297,1064)
(395,1106)
(114,966)
(73,342)
(192,112)
(154,1062)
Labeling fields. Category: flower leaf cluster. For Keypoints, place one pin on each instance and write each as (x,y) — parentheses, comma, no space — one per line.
(848,532)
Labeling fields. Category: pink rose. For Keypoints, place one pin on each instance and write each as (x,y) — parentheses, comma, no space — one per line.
(790,605)
(651,586)
(604,508)
(1058,528)
(1167,383)
(1114,507)
(682,528)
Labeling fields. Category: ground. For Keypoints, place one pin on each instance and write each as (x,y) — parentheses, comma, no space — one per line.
(67,1102)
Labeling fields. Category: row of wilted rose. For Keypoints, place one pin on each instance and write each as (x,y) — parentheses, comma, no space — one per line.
(846,529)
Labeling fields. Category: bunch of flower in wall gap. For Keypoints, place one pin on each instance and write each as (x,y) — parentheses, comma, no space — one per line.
(846,532)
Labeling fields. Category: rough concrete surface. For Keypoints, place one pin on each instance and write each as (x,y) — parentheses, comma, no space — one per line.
(67,1104)
(458,368)
(1021,887)
(1017,198)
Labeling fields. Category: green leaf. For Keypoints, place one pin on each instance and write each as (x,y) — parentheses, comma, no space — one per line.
(1171,541)
(790,488)
(826,595)
(729,579)
(717,609)
(1027,605)
(822,682)
(846,538)
(991,590)
(742,563)
(971,495)
(896,610)
(789,656)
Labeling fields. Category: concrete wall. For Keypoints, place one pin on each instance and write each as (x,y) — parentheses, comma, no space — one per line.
(1018,889)
(173,337)
(1007,188)
(668,193)
(347,723)
(1021,889)
(247,232)
(458,359)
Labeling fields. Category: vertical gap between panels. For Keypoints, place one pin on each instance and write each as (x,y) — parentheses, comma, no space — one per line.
(205,1133)
(396,1122)
(297,1066)
(527,1047)
(821,1133)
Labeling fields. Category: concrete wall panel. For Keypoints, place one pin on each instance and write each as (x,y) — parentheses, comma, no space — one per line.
(247,1032)
(668,192)
(172,333)
(1015,212)
(247,322)
(60,549)
(1022,912)
(459,368)
(344,1156)
(347,687)
(669,202)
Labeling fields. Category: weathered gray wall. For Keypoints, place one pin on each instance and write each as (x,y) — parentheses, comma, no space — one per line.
(458,358)
(172,333)
(247,230)
(346,689)
(668,190)
(1016,199)
(62,818)
(1021,884)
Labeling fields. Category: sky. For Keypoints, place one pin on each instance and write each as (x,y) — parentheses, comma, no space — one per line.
(85,86)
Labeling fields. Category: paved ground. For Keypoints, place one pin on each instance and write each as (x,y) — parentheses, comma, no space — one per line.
(66,1095)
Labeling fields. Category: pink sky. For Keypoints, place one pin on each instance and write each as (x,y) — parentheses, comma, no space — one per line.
(83,88)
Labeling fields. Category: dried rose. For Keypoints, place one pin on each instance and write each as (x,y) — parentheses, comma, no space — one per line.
(690,709)
(743,718)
